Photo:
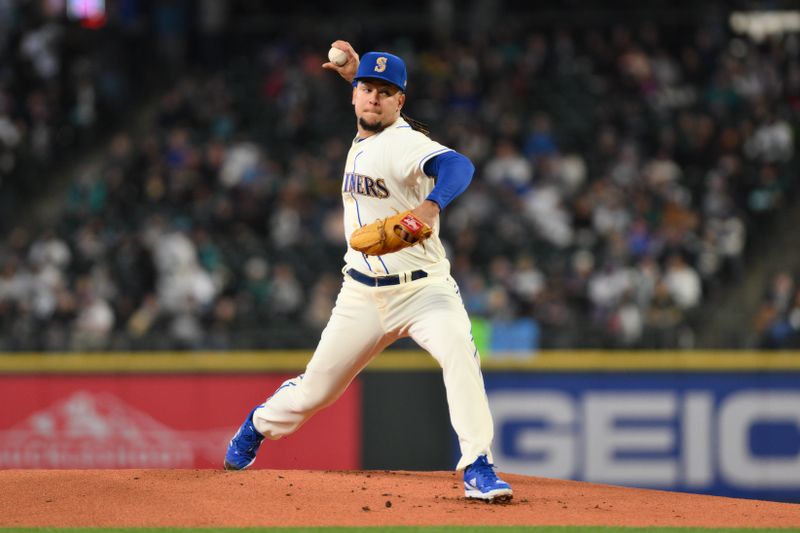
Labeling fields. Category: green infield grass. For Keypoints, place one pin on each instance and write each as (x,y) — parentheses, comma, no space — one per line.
(397,529)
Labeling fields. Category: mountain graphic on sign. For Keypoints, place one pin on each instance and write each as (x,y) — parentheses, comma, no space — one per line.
(98,430)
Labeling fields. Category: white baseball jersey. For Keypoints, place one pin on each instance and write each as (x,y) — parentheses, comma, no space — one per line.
(383,175)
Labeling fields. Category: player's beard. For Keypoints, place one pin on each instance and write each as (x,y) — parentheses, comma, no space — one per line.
(377,127)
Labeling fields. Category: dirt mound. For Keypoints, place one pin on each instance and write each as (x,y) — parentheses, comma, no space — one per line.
(191,498)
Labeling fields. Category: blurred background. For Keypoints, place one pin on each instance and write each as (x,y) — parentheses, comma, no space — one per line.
(169,182)
(169,170)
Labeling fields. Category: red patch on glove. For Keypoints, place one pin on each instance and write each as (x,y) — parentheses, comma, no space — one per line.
(412,224)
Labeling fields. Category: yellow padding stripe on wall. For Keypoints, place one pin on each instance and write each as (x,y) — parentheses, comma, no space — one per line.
(295,361)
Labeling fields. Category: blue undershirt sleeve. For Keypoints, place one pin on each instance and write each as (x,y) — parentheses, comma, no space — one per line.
(453,173)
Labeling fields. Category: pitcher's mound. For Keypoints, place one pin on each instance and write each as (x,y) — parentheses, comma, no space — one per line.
(192,498)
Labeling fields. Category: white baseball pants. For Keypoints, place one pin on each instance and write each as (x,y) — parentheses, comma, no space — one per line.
(364,321)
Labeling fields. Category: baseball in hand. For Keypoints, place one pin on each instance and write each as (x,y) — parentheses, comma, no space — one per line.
(337,57)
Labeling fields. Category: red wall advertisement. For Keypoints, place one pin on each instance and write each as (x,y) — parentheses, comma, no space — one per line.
(161,421)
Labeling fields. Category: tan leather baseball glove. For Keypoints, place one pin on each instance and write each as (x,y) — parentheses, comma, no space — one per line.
(390,234)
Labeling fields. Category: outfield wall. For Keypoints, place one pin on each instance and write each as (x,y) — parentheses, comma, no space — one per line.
(159,421)
(723,423)
(733,434)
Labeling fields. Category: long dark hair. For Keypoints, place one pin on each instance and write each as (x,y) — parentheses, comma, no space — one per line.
(417,125)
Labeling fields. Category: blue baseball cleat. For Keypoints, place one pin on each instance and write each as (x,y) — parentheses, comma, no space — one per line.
(244,445)
(481,483)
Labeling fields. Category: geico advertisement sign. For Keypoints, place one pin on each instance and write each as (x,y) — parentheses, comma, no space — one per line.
(669,439)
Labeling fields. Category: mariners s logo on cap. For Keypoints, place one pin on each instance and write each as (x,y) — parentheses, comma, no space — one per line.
(382,66)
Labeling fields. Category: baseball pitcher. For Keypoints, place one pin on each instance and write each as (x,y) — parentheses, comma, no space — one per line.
(396,278)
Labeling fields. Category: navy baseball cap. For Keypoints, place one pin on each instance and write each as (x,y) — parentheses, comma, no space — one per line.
(382,66)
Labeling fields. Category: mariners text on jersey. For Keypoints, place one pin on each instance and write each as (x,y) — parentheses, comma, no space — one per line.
(364,185)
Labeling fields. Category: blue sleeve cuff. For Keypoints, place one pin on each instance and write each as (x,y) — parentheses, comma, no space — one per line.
(453,172)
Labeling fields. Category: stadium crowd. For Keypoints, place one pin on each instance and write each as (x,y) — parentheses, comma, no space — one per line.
(620,173)
(61,88)
(32,96)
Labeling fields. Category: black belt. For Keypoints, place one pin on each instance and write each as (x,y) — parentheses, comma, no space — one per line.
(385,281)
